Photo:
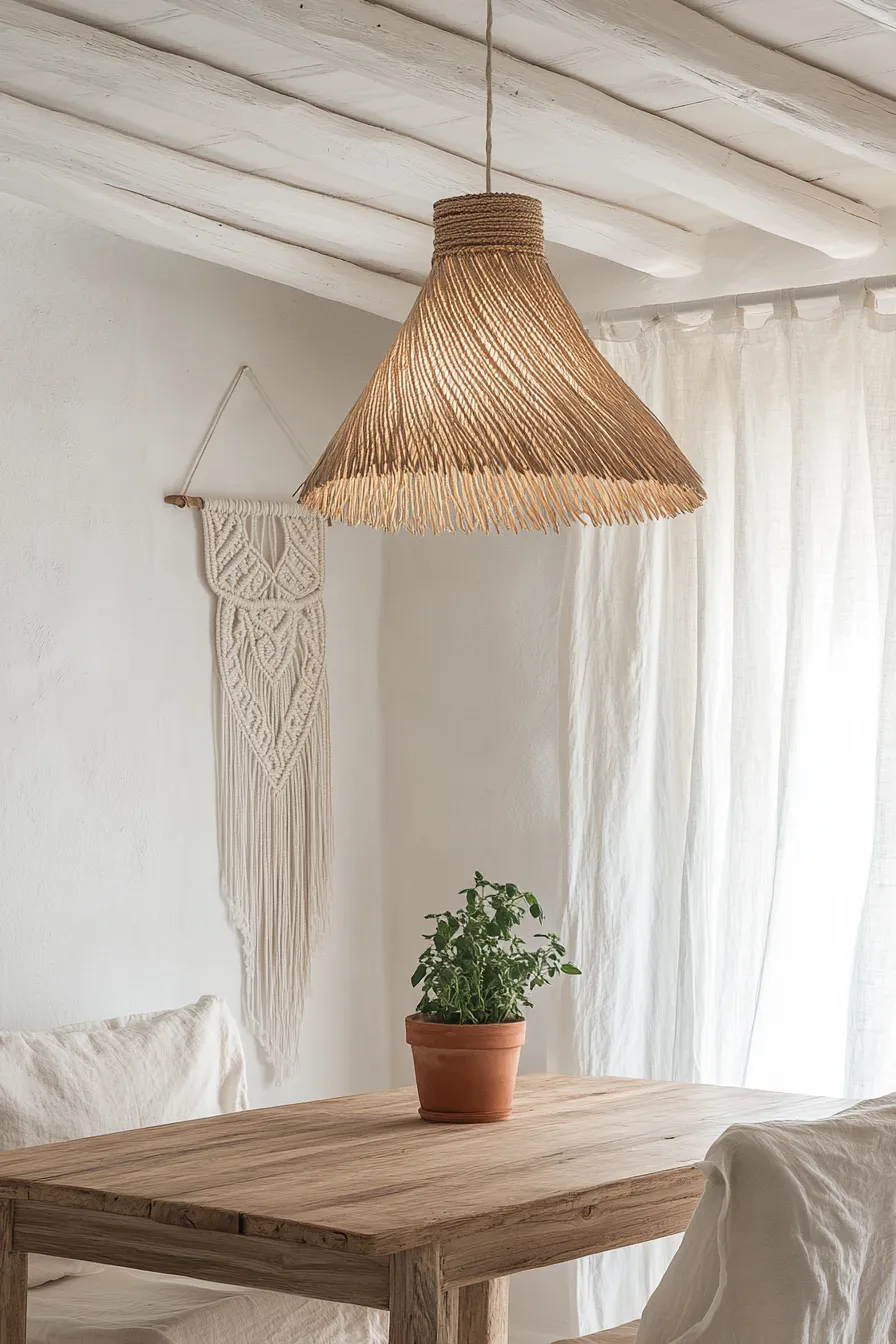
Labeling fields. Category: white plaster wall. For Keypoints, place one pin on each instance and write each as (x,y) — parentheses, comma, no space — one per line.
(472,731)
(112,359)
(473,771)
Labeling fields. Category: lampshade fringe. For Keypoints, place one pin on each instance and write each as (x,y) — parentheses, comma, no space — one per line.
(495,502)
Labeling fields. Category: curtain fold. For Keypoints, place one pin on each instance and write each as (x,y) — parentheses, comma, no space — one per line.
(731,791)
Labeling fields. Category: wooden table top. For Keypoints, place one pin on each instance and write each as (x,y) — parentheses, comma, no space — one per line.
(364,1173)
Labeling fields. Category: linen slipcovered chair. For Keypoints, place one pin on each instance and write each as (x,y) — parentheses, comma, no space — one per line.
(127,1073)
(793,1241)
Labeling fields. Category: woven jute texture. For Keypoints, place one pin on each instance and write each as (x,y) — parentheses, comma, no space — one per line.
(493,410)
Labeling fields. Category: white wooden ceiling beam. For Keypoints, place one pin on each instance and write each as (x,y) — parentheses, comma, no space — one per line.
(682,42)
(81,149)
(82,68)
(147,221)
(883,11)
(406,54)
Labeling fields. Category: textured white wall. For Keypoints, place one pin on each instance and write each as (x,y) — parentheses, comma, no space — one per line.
(473,773)
(112,359)
(472,731)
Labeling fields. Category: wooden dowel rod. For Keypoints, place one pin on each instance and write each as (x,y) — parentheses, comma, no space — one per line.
(186,501)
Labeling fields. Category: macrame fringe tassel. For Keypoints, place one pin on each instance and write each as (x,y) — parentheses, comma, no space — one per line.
(264,563)
(276,845)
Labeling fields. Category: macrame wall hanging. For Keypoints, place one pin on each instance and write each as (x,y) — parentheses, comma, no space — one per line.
(264,563)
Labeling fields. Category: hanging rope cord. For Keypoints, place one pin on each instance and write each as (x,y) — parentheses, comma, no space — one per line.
(244,371)
(489,98)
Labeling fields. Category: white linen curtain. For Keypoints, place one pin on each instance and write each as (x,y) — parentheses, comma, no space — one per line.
(732,733)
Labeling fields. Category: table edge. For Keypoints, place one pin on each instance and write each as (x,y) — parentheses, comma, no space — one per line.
(173,1212)
(207,1218)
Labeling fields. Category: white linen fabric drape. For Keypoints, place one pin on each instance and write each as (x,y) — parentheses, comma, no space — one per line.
(792,1242)
(731,811)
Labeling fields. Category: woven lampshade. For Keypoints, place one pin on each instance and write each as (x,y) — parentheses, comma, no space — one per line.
(493,410)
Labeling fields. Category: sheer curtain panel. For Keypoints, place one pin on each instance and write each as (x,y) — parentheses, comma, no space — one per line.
(732,732)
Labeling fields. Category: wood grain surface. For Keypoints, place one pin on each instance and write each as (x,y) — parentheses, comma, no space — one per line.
(253,1262)
(365,1174)
(422,1311)
(483,1312)
(13,1281)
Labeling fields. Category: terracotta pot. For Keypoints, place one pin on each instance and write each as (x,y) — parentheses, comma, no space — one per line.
(465,1074)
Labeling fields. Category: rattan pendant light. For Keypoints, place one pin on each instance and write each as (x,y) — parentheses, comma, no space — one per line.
(493,410)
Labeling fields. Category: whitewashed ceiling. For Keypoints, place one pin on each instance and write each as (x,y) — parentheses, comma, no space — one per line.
(305,140)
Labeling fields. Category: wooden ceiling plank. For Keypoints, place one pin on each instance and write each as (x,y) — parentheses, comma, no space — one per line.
(147,221)
(326,224)
(416,57)
(882,11)
(682,42)
(75,62)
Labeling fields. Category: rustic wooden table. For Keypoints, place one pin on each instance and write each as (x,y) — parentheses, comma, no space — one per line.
(357,1200)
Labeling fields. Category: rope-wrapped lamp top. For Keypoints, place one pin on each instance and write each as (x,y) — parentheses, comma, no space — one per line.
(493,410)
(495,222)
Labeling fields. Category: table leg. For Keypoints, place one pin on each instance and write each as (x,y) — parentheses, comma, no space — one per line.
(421,1311)
(482,1312)
(13,1281)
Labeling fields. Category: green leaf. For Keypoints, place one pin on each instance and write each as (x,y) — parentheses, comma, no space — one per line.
(568,969)
(476,967)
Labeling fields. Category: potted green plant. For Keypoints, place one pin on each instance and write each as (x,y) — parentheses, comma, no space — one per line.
(475,976)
